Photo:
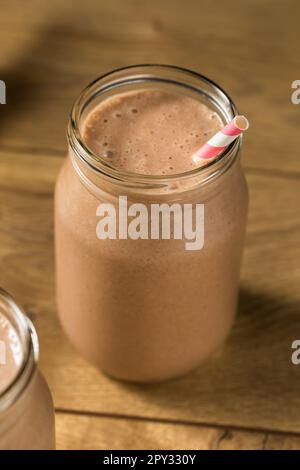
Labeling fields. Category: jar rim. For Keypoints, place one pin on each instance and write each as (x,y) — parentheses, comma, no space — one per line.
(28,338)
(138,73)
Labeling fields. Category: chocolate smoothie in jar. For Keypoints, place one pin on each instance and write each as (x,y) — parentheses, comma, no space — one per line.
(137,295)
(26,407)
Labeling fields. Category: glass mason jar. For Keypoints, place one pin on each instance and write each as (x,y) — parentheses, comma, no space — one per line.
(148,310)
(26,407)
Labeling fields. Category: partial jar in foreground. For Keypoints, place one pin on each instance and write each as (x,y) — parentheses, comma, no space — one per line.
(144,309)
(26,407)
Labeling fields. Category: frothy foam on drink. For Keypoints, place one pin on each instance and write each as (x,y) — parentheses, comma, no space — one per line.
(151,132)
(11,353)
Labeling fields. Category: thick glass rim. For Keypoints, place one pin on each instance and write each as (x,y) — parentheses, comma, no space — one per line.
(30,346)
(138,74)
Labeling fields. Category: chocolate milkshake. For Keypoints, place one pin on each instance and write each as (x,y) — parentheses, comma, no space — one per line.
(152,132)
(26,408)
(147,309)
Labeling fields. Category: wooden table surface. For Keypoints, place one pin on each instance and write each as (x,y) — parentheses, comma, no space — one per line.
(247,396)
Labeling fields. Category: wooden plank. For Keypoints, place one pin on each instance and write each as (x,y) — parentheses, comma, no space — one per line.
(281,442)
(64,45)
(96,433)
(87,432)
(249,383)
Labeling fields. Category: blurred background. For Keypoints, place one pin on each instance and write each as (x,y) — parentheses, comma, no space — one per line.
(51,49)
(247,396)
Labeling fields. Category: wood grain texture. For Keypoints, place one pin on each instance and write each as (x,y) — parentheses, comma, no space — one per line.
(94,433)
(253,52)
(249,383)
(46,57)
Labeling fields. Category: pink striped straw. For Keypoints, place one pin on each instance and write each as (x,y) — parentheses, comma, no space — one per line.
(222,139)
